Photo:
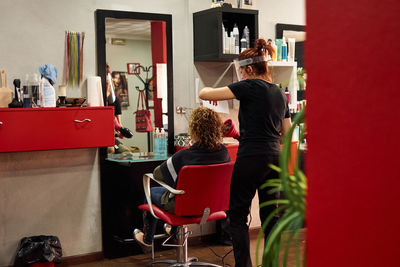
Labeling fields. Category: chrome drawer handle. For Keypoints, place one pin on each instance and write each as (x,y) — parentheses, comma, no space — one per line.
(82,120)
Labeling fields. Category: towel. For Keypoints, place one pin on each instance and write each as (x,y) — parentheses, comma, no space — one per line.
(49,72)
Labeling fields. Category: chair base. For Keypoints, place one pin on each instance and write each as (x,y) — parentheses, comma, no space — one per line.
(181,252)
(173,263)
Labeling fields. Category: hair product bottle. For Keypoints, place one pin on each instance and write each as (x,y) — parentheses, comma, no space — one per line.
(284,50)
(223,39)
(279,49)
(246,35)
(236,36)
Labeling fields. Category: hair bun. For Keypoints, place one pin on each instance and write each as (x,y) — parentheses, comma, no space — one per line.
(260,44)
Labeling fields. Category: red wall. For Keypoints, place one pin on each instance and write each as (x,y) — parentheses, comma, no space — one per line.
(353,57)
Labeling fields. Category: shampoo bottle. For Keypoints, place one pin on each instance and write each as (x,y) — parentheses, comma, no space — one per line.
(284,50)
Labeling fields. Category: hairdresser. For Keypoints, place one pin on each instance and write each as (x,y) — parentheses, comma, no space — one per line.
(263,118)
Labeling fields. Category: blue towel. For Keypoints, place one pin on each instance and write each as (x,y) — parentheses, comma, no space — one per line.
(49,72)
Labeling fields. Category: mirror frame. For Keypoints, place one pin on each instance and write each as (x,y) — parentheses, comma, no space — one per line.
(101,16)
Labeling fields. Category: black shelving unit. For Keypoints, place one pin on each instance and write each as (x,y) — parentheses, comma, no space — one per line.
(207,31)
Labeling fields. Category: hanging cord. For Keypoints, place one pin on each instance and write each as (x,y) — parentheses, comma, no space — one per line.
(212,250)
(222,75)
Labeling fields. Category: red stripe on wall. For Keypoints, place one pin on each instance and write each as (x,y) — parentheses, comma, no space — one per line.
(159,55)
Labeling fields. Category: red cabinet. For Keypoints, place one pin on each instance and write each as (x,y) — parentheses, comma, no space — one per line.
(28,129)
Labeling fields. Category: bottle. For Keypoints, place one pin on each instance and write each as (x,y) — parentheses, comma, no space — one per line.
(27,90)
(232,43)
(227,43)
(163,142)
(284,50)
(236,36)
(279,49)
(274,58)
(246,35)
(243,44)
(47,94)
(35,91)
(156,144)
(223,39)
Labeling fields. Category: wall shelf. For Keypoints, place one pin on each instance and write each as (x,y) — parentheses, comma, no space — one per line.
(30,129)
(207,31)
(282,64)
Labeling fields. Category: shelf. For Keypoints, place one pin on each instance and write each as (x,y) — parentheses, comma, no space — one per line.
(31,129)
(207,31)
(282,64)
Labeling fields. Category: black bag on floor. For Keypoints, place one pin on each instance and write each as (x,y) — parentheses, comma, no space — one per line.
(38,249)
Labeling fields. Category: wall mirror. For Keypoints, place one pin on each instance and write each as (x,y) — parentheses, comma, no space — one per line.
(136,49)
(297,32)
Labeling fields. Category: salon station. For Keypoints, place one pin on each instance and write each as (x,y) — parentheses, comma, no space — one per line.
(96,94)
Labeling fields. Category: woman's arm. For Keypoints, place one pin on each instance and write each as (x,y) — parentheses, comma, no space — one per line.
(286,123)
(215,94)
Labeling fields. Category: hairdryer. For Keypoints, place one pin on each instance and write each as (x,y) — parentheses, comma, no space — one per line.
(230,129)
(125,132)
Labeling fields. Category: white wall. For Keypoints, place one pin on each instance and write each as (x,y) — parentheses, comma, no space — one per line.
(61,188)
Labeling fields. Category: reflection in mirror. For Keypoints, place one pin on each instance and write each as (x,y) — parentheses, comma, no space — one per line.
(139,77)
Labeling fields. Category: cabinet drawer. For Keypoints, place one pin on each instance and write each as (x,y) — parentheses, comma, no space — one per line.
(55,128)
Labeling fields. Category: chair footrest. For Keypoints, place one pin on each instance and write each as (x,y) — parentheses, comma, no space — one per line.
(190,262)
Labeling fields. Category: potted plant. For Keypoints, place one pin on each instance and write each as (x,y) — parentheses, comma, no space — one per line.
(291,208)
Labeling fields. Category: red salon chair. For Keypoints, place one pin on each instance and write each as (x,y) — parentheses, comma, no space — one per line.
(202,195)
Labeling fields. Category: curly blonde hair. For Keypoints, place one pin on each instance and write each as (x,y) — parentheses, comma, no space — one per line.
(206,128)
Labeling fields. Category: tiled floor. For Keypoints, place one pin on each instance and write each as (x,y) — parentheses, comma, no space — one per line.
(203,252)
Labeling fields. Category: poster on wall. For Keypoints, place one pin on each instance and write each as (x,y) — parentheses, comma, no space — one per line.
(121,87)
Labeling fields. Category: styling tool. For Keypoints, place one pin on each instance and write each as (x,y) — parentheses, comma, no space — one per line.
(5,93)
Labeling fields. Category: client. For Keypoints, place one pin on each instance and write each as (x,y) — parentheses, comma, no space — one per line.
(205,130)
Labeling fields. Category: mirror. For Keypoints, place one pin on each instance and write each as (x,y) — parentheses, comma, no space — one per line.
(297,32)
(136,50)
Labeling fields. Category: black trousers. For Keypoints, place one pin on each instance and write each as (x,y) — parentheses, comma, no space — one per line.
(249,173)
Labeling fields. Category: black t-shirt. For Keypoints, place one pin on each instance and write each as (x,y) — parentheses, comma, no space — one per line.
(263,106)
(194,155)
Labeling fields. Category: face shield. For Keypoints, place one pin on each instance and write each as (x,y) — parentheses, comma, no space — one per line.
(240,64)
